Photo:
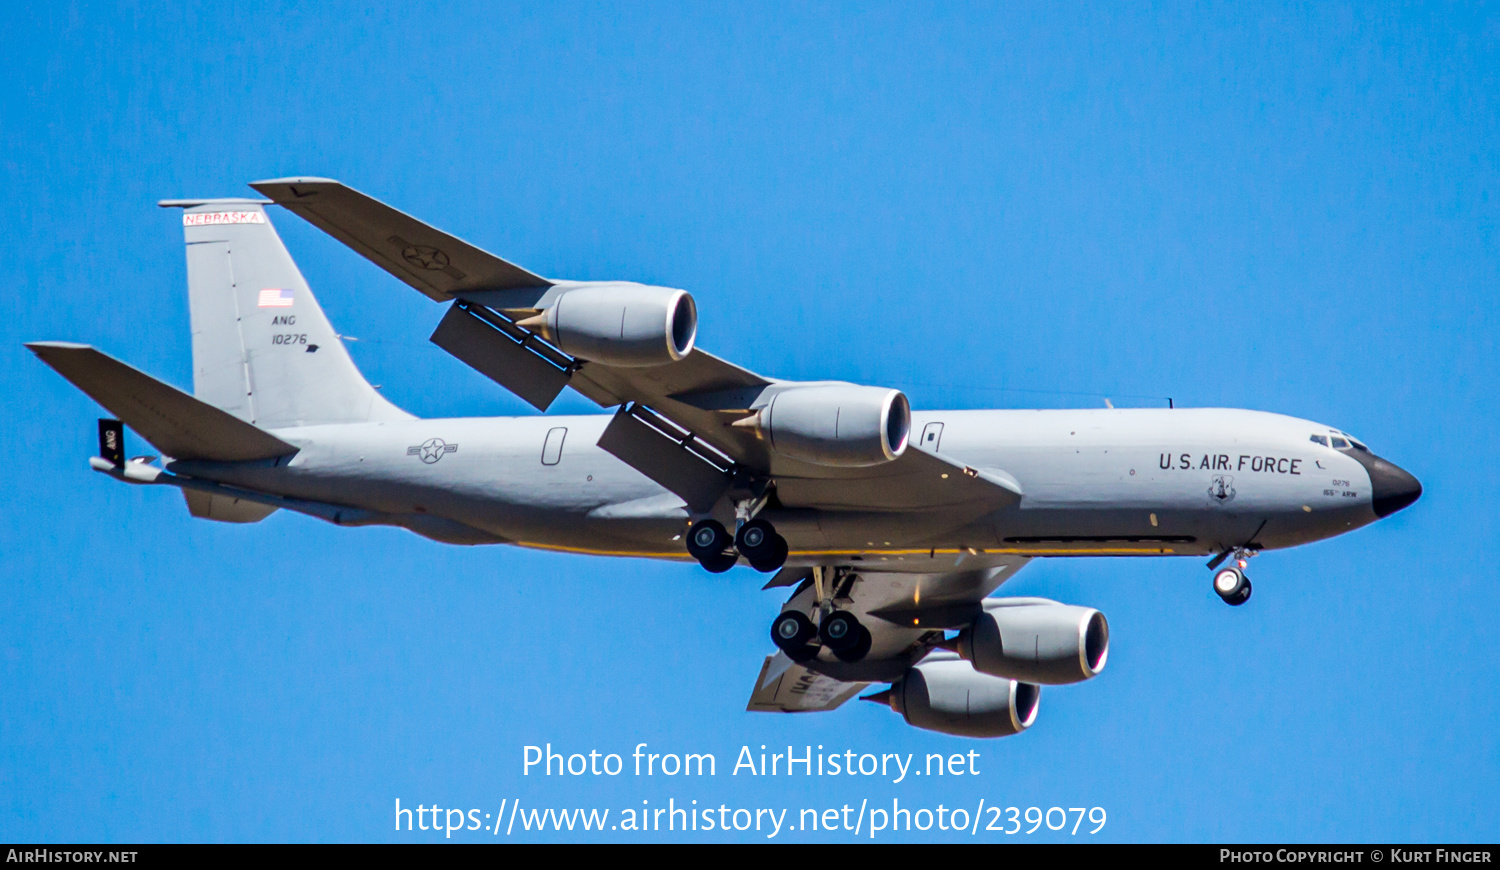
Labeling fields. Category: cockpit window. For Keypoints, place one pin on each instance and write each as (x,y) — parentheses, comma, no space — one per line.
(1340,443)
(1321,439)
(1358,445)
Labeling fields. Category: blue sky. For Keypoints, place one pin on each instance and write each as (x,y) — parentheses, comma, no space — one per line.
(1281,208)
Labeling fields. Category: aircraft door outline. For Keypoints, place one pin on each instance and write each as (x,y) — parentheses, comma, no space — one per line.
(552,447)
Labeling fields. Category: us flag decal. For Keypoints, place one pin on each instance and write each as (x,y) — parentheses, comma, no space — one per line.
(275,299)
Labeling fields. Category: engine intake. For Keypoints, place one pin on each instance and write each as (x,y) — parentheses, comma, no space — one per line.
(949,696)
(1036,640)
(836,424)
(620,324)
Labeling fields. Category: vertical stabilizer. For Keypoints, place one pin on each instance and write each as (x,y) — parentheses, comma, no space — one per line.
(262,348)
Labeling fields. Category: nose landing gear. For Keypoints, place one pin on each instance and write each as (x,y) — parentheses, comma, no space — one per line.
(1230,583)
(1233,586)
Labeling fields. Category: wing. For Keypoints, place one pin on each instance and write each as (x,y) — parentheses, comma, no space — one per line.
(673,419)
(428,259)
(905,614)
(784,687)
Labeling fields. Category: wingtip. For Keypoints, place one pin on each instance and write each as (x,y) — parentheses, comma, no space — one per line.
(37,347)
(295,179)
(279,189)
(194,203)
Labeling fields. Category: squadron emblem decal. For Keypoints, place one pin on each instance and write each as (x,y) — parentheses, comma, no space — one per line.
(1222,489)
(432,450)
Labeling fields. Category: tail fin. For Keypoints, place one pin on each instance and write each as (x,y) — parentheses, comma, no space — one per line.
(262,349)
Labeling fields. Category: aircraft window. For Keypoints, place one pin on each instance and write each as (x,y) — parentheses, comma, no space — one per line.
(1340,443)
(1321,439)
(1358,445)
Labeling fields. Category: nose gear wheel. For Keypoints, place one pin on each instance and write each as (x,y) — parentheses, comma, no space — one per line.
(1233,586)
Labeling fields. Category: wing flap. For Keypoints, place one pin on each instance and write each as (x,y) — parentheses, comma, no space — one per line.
(432,261)
(669,389)
(173,421)
(500,358)
(668,459)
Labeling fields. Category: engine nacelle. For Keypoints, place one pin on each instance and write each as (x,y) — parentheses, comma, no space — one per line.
(949,696)
(836,424)
(620,324)
(1036,640)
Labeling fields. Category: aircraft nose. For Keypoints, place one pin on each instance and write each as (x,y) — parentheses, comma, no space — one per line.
(1392,486)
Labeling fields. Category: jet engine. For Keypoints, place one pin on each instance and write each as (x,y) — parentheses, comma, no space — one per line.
(1036,640)
(835,424)
(620,324)
(948,696)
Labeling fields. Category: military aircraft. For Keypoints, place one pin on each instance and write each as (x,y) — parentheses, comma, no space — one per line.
(891,526)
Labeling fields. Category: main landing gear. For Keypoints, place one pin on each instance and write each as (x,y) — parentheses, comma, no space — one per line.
(839,631)
(761,545)
(709,542)
(793,633)
(844,636)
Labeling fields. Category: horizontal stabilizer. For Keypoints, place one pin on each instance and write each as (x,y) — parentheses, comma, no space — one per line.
(423,256)
(173,421)
(225,508)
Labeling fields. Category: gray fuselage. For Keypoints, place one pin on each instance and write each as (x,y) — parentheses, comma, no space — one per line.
(1095,482)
